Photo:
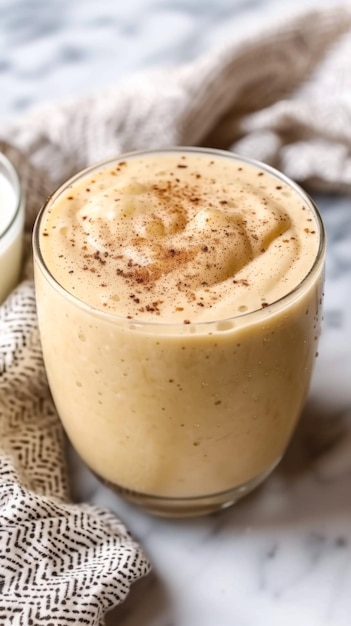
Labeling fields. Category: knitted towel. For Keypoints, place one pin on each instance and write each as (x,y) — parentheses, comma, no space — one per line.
(281,94)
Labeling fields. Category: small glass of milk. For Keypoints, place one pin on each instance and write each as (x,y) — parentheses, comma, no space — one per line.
(11,227)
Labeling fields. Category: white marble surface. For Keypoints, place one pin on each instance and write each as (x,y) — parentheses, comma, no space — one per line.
(282,557)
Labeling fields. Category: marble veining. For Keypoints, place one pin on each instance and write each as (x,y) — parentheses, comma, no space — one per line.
(281,557)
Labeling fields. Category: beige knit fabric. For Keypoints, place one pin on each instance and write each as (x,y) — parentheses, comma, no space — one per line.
(281,94)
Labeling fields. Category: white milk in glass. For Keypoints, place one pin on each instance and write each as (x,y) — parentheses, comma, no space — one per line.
(11,227)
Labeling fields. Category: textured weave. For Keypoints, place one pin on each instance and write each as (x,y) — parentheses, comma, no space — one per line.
(281,94)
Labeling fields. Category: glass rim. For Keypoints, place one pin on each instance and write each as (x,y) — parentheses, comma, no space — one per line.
(138,323)
(9,169)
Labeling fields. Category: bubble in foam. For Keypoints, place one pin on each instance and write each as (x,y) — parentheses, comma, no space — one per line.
(225,325)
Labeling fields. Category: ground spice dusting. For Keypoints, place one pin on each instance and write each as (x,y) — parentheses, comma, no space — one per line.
(167,240)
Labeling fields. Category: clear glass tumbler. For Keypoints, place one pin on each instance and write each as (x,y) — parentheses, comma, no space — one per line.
(181,419)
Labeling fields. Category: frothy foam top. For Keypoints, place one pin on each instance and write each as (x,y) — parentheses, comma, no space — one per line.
(179,237)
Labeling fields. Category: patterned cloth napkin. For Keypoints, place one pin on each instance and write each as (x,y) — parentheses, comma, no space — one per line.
(279,92)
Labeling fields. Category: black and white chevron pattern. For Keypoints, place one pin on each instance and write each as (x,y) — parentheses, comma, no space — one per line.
(61,564)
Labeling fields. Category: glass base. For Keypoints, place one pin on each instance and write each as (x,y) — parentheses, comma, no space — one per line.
(190,506)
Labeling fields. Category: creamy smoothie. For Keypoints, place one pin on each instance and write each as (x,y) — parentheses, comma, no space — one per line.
(11,227)
(179,307)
